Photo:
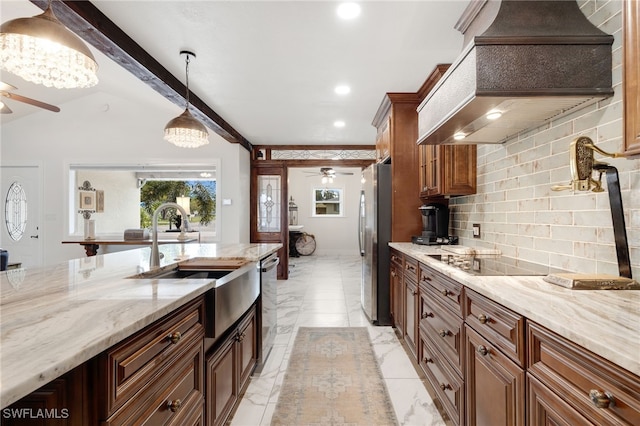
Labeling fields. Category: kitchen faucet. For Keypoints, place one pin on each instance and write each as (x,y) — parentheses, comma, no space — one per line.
(185,226)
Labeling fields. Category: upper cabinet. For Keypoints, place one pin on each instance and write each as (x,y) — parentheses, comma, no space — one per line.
(396,122)
(631,13)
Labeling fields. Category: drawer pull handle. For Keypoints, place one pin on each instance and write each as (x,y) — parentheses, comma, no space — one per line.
(444,333)
(444,292)
(175,337)
(411,268)
(414,292)
(483,319)
(174,405)
(426,315)
(426,278)
(427,360)
(482,350)
(601,399)
(445,387)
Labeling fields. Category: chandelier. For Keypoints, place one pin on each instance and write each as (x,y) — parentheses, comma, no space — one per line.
(42,50)
(184,130)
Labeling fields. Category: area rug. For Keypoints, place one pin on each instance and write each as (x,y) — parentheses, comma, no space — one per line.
(333,379)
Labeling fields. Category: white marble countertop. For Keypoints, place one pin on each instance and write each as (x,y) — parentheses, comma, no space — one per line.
(53,319)
(604,321)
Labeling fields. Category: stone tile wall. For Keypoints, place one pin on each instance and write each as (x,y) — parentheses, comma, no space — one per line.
(518,212)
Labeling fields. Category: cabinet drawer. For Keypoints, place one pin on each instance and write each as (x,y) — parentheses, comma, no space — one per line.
(501,326)
(443,328)
(396,258)
(173,397)
(595,387)
(135,362)
(446,290)
(447,385)
(411,269)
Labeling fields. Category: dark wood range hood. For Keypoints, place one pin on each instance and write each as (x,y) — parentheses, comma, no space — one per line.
(536,61)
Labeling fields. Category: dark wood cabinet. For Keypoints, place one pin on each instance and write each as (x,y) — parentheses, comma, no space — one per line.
(411,303)
(228,368)
(495,385)
(566,378)
(631,76)
(396,291)
(447,170)
(396,122)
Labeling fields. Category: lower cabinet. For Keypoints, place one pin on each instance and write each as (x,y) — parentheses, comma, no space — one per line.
(495,385)
(228,368)
(160,376)
(490,366)
(396,291)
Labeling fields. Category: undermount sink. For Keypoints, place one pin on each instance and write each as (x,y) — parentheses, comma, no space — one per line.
(296,227)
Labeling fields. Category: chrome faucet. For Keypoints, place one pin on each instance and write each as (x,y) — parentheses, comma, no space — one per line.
(185,226)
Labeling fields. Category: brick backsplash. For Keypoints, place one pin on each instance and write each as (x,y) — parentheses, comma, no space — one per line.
(518,212)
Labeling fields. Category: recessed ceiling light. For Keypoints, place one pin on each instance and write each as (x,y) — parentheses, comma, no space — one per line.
(342,89)
(459,136)
(348,10)
(494,115)
(339,123)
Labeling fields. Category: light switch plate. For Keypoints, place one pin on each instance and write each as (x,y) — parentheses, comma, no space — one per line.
(476,230)
(226,201)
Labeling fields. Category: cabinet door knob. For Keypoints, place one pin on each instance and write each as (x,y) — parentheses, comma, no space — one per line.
(445,387)
(482,350)
(175,337)
(426,278)
(393,273)
(483,318)
(427,315)
(427,360)
(601,399)
(414,292)
(444,333)
(444,292)
(174,405)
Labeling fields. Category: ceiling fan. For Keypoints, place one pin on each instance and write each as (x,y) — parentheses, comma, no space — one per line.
(6,91)
(327,172)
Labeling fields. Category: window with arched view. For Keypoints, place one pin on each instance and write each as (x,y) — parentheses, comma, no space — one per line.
(327,202)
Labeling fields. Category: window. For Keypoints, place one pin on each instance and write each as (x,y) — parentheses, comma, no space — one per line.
(327,202)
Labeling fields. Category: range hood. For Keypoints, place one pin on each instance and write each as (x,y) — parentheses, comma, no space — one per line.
(536,61)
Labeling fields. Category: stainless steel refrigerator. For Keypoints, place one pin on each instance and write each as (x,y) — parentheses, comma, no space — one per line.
(375,234)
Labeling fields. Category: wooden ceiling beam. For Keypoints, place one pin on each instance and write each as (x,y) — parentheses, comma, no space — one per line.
(90,24)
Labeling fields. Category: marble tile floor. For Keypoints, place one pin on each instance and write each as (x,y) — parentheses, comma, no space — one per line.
(324,291)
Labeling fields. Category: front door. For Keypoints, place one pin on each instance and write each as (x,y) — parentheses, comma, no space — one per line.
(20,214)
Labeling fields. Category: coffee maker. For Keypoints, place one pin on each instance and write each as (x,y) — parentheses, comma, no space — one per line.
(435,226)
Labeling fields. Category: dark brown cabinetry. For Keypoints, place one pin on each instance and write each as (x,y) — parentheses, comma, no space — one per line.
(228,368)
(631,28)
(447,170)
(441,337)
(396,122)
(570,385)
(411,304)
(397,290)
(494,362)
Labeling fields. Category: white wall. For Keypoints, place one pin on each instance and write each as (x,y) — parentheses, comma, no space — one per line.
(107,129)
(334,235)
(518,212)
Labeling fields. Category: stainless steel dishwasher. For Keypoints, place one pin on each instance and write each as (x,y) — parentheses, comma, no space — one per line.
(268,300)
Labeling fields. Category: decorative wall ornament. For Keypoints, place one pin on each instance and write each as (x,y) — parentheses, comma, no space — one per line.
(323,154)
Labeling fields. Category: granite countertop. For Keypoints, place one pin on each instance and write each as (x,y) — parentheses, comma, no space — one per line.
(602,321)
(54,318)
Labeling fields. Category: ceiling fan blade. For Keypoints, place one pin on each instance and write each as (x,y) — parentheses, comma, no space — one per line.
(30,101)
(5,109)
(6,86)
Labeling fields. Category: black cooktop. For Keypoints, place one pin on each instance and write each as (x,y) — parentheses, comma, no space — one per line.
(495,266)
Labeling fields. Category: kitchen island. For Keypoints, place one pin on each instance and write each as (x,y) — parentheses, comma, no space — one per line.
(56,318)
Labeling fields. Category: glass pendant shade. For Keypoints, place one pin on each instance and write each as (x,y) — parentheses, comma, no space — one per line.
(186,132)
(42,50)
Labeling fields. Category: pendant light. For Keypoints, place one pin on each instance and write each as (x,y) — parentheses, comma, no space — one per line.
(184,130)
(42,50)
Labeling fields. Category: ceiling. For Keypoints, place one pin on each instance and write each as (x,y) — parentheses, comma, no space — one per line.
(269,68)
